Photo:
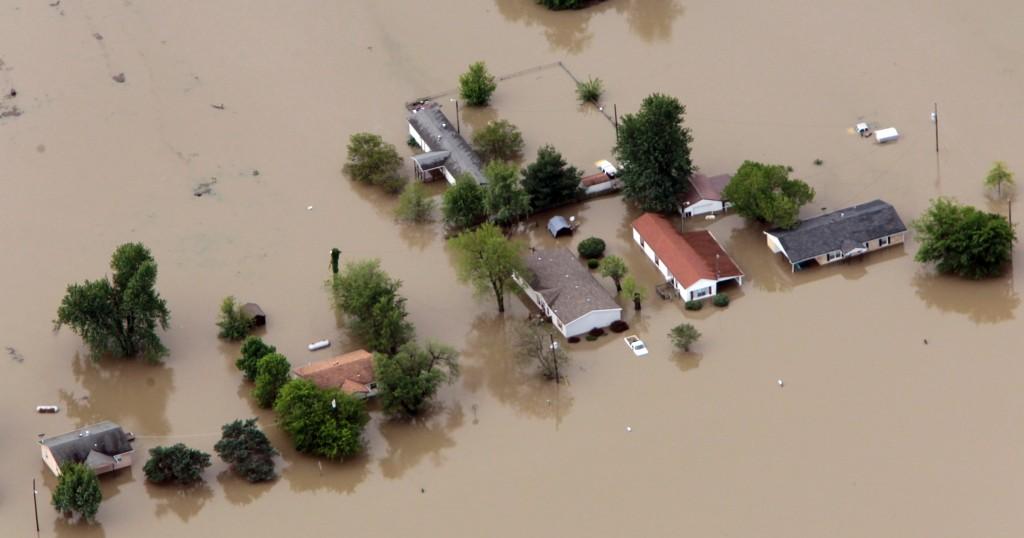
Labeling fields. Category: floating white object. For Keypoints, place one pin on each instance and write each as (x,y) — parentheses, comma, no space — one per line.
(319,345)
(886,135)
(309,208)
(47,409)
(862,128)
(629,429)
(780,383)
(709,217)
(607,167)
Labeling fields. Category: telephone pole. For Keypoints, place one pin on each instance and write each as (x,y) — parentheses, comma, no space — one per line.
(935,120)
(35,503)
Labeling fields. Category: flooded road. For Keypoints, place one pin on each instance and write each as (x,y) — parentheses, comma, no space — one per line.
(874,434)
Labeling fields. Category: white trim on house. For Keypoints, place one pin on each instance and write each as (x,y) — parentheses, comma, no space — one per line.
(705,206)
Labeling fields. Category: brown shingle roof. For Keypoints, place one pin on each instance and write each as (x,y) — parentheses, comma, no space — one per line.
(351,372)
(706,188)
(595,179)
(690,256)
(569,288)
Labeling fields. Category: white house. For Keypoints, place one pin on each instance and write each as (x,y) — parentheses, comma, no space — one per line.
(566,291)
(704,195)
(692,262)
(102,447)
(446,153)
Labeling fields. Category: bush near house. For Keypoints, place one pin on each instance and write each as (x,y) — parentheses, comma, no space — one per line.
(499,141)
(596,332)
(720,300)
(178,464)
(593,263)
(272,372)
(618,326)
(322,422)
(693,305)
(591,248)
(78,490)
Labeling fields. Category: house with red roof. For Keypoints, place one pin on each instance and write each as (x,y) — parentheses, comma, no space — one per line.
(351,373)
(693,263)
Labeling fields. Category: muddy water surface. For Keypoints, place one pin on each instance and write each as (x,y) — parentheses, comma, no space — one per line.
(874,434)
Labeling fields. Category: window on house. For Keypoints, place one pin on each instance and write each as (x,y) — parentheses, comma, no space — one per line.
(834,255)
(703,292)
(884,241)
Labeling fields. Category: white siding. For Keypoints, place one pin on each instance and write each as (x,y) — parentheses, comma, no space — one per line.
(591,320)
(774,244)
(702,207)
(419,140)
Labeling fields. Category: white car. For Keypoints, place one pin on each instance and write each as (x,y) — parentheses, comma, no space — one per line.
(636,345)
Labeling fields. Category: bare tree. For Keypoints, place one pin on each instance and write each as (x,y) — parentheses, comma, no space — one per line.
(536,343)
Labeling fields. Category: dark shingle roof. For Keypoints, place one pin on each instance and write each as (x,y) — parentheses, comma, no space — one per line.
(848,227)
(569,288)
(104,438)
(435,129)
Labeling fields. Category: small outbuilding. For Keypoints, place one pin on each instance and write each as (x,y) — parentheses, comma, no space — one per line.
(103,447)
(886,135)
(559,226)
(255,313)
(704,195)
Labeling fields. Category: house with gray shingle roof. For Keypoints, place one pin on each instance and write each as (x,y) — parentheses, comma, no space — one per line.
(842,234)
(103,447)
(445,152)
(567,292)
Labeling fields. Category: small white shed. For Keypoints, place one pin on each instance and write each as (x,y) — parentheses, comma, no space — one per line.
(886,135)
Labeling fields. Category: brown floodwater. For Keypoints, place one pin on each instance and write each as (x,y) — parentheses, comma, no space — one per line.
(874,434)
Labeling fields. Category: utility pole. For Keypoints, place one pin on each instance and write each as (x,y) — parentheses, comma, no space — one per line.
(35,503)
(615,107)
(935,120)
(554,357)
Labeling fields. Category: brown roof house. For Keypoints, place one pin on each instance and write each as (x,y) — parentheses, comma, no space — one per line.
(103,447)
(692,262)
(351,372)
(704,195)
(567,292)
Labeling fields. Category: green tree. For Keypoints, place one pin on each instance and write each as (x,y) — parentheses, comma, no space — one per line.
(369,297)
(550,181)
(536,343)
(487,259)
(177,463)
(247,450)
(683,336)
(505,200)
(234,323)
(614,268)
(323,422)
(634,291)
(373,161)
(589,91)
(253,349)
(654,149)
(414,205)
(78,490)
(591,248)
(964,240)
(557,5)
(476,85)
(407,380)
(272,372)
(119,315)
(464,204)
(498,141)
(764,192)
(998,176)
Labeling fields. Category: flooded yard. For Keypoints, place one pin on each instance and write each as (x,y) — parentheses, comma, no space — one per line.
(901,408)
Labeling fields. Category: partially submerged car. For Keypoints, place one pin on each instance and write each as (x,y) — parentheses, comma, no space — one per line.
(636,345)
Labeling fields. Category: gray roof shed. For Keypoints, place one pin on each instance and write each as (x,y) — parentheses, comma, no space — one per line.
(436,130)
(97,440)
(844,230)
(558,225)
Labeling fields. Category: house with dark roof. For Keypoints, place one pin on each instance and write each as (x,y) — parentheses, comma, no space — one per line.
(351,373)
(842,234)
(445,153)
(693,263)
(103,447)
(567,292)
(704,195)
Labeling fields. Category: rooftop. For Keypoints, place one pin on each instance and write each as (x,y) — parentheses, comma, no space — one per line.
(102,439)
(837,230)
(436,130)
(568,287)
(706,188)
(690,256)
(351,372)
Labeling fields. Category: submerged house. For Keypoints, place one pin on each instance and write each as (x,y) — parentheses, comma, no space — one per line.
(704,195)
(102,447)
(567,292)
(352,373)
(693,263)
(839,235)
(446,153)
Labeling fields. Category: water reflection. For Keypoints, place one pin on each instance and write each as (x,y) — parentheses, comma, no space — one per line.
(687,361)
(489,361)
(78,529)
(410,442)
(652,20)
(182,502)
(240,492)
(474,118)
(109,384)
(309,473)
(986,301)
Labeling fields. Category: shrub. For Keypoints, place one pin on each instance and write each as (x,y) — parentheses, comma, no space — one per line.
(373,161)
(498,141)
(234,323)
(596,332)
(589,91)
(720,300)
(414,205)
(693,305)
(411,142)
(178,464)
(272,372)
(591,247)
(253,349)
(593,264)
(618,326)
(591,338)
(574,339)
(683,336)
(78,490)
(476,85)
(247,450)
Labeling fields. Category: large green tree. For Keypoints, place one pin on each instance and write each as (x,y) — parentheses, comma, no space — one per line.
(476,85)
(176,463)
(372,160)
(499,140)
(78,490)
(119,315)
(614,268)
(764,192)
(550,181)
(324,422)
(487,259)
(407,380)
(963,240)
(464,204)
(505,199)
(247,450)
(369,297)
(272,372)
(253,349)
(654,149)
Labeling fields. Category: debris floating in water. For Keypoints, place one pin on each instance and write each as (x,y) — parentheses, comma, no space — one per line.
(309,208)
(47,409)
(119,78)
(781,384)
(319,345)
(629,429)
